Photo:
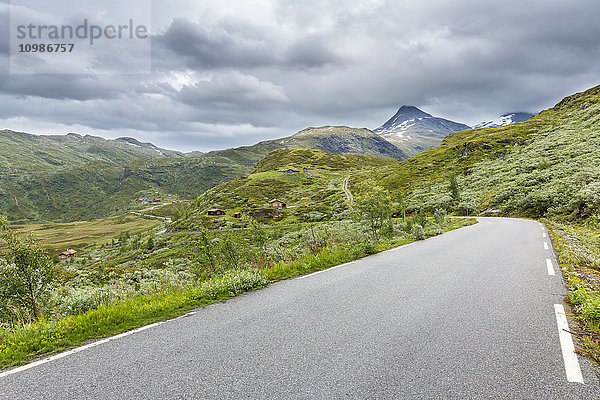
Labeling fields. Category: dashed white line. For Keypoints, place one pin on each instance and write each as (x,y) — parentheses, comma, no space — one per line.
(545,245)
(544,234)
(572,368)
(86,347)
(549,266)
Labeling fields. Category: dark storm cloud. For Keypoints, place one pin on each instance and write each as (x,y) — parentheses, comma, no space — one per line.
(312,51)
(215,47)
(236,44)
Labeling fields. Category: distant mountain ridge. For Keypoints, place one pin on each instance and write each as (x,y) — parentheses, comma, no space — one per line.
(505,119)
(71,177)
(343,140)
(30,152)
(413,130)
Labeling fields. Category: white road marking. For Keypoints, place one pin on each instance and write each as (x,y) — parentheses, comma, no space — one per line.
(86,347)
(325,270)
(566,343)
(544,234)
(545,245)
(549,266)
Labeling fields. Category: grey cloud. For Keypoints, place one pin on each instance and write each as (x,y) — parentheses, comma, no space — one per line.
(235,44)
(232,88)
(327,62)
(312,51)
(215,47)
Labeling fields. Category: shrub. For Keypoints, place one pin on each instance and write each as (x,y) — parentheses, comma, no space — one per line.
(439,216)
(418,232)
(232,283)
(26,275)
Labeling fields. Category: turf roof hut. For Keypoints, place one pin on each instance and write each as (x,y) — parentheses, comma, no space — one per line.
(215,211)
(276,203)
(67,254)
(289,170)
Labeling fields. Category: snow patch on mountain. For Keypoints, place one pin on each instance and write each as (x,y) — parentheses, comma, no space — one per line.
(504,119)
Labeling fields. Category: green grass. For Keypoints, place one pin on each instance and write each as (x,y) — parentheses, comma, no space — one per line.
(547,166)
(83,234)
(578,251)
(21,344)
(310,197)
(29,341)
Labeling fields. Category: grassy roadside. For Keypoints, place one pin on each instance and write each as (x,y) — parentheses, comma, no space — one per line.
(21,345)
(578,252)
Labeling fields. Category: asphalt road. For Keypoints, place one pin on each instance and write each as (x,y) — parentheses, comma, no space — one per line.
(466,315)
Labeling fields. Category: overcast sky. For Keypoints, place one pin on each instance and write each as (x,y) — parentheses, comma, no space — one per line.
(228,73)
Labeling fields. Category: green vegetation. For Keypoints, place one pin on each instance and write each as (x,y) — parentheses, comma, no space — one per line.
(73,177)
(83,235)
(25,275)
(98,189)
(310,197)
(141,279)
(547,166)
(578,249)
(27,341)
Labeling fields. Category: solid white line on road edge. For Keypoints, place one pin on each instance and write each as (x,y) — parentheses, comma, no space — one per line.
(85,347)
(325,270)
(545,245)
(544,234)
(550,267)
(566,343)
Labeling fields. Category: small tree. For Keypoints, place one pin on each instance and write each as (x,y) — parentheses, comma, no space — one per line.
(454,191)
(206,252)
(150,243)
(258,235)
(26,274)
(231,250)
(418,232)
(401,203)
(374,208)
(439,216)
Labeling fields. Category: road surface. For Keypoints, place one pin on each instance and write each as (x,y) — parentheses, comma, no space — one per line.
(466,315)
(349,196)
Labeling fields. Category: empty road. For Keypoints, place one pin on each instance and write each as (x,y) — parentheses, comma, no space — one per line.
(466,315)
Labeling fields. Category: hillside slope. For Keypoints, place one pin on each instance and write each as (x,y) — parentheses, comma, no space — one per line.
(71,177)
(24,152)
(312,194)
(548,165)
(100,188)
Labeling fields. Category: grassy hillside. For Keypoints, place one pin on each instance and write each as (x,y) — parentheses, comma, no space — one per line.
(344,140)
(547,166)
(24,153)
(83,235)
(309,196)
(72,177)
(100,188)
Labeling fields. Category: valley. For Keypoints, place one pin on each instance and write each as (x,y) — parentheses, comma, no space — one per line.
(158,233)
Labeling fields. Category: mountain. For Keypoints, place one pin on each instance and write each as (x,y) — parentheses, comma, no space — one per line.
(72,177)
(26,152)
(333,139)
(548,165)
(343,140)
(505,119)
(413,130)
